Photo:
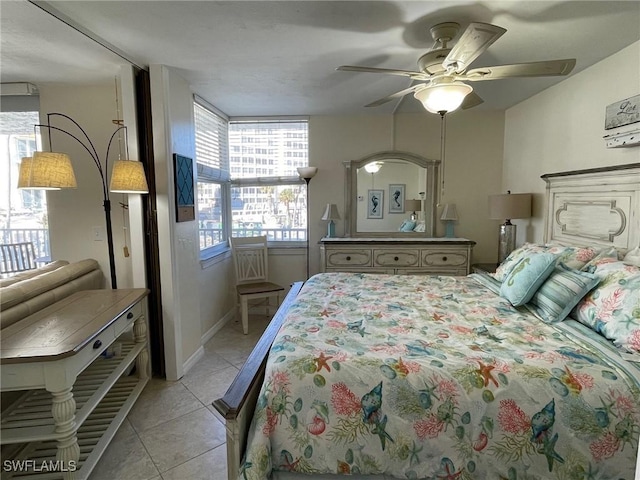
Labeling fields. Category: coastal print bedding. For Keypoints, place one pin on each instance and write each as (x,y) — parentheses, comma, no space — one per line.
(437,378)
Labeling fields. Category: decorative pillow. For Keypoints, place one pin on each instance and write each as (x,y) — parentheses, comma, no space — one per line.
(407,226)
(574,256)
(524,251)
(560,292)
(524,279)
(607,255)
(613,309)
(632,257)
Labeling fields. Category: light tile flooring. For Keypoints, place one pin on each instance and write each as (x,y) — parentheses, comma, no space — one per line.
(173,432)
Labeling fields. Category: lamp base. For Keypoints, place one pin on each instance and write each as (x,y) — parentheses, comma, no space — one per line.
(506,240)
(331,229)
(448,233)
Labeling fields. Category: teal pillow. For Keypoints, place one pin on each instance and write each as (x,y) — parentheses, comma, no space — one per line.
(560,292)
(526,276)
(408,226)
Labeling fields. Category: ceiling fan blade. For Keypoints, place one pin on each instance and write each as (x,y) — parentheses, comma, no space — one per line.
(471,100)
(533,69)
(393,96)
(475,40)
(387,71)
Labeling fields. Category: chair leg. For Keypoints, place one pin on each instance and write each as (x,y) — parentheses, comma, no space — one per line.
(244,308)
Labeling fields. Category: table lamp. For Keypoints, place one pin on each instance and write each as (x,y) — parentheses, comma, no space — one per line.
(449,216)
(413,206)
(508,206)
(331,214)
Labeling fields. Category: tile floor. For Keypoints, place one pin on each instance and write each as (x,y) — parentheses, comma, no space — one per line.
(173,432)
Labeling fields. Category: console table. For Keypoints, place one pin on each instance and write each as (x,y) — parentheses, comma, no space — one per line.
(73,359)
(412,255)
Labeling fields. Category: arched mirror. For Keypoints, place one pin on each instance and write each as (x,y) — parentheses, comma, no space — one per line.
(391,194)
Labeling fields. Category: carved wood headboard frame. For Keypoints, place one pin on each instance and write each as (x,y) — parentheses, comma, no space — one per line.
(599,206)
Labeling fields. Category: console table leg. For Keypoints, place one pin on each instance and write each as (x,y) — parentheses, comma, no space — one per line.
(63,410)
(140,336)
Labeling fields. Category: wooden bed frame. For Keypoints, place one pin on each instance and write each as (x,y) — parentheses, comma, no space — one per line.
(599,206)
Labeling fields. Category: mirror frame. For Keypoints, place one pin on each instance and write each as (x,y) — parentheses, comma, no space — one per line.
(351,193)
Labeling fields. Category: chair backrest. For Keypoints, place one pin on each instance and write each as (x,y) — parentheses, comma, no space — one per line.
(17,257)
(250,259)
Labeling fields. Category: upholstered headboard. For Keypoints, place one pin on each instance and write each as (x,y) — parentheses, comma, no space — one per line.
(599,206)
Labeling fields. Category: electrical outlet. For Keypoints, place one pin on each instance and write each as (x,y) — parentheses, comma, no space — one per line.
(98,234)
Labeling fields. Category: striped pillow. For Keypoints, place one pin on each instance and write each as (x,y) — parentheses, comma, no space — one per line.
(562,290)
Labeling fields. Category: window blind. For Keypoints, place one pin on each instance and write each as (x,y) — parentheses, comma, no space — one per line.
(212,152)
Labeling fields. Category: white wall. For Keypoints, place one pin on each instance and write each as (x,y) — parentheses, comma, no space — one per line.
(561,129)
(75,213)
(473,165)
(171,103)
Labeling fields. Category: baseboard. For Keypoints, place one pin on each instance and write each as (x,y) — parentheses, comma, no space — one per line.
(230,315)
(193,359)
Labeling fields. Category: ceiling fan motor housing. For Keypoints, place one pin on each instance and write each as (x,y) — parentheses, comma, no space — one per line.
(431,62)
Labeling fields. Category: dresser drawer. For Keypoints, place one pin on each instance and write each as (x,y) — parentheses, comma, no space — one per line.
(444,258)
(396,258)
(349,258)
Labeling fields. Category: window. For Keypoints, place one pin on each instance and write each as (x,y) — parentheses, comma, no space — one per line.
(23,213)
(213,176)
(270,199)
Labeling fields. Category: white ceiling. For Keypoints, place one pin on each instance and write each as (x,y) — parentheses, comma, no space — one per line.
(279,57)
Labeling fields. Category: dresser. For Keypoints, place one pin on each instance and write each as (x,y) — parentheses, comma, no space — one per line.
(80,365)
(413,256)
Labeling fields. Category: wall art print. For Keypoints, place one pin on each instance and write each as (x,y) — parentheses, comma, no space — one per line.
(396,198)
(621,113)
(183,182)
(375,203)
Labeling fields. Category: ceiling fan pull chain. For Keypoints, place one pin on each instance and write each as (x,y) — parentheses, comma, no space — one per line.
(443,128)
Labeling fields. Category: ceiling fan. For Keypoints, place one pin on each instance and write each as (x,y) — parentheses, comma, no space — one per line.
(442,69)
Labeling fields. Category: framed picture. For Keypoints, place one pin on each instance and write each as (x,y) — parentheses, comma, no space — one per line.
(621,113)
(396,198)
(375,203)
(183,182)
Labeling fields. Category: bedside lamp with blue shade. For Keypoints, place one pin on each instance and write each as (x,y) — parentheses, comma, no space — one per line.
(449,216)
(331,214)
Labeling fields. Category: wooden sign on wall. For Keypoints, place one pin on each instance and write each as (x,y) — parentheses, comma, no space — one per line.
(621,113)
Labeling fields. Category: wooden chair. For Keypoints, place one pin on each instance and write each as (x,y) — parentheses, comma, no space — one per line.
(16,257)
(250,261)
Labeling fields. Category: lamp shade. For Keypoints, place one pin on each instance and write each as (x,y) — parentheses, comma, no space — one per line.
(449,212)
(46,171)
(307,173)
(443,97)
(510,205)
(331,212)
(412,205)
(128,177)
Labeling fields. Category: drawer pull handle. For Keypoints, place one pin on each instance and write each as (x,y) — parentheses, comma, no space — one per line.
(396,258)
(348,258)
(444,259)
(97,344)
(129,315)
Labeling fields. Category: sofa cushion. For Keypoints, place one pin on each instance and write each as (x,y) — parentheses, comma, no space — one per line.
(49,267)
(26,289)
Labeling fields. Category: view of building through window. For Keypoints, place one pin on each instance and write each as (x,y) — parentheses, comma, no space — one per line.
(265,196)
(23,213)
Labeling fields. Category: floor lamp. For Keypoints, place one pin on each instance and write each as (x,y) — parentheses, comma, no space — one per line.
(306,174)
(53,171)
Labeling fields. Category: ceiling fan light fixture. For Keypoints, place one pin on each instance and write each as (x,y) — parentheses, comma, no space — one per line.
(443,97)
(373,167)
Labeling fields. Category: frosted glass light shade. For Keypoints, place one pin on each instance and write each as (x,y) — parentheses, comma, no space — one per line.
(373,167)
(510,205)
(445,97)
(46,171)
(331,212)
(128,177)
(307,173)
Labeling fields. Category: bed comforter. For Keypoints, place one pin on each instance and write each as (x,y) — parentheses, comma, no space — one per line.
(438,378)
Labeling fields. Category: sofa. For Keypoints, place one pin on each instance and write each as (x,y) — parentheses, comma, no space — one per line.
(28,292)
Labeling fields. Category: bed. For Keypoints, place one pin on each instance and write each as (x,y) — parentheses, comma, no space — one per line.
(383,376)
